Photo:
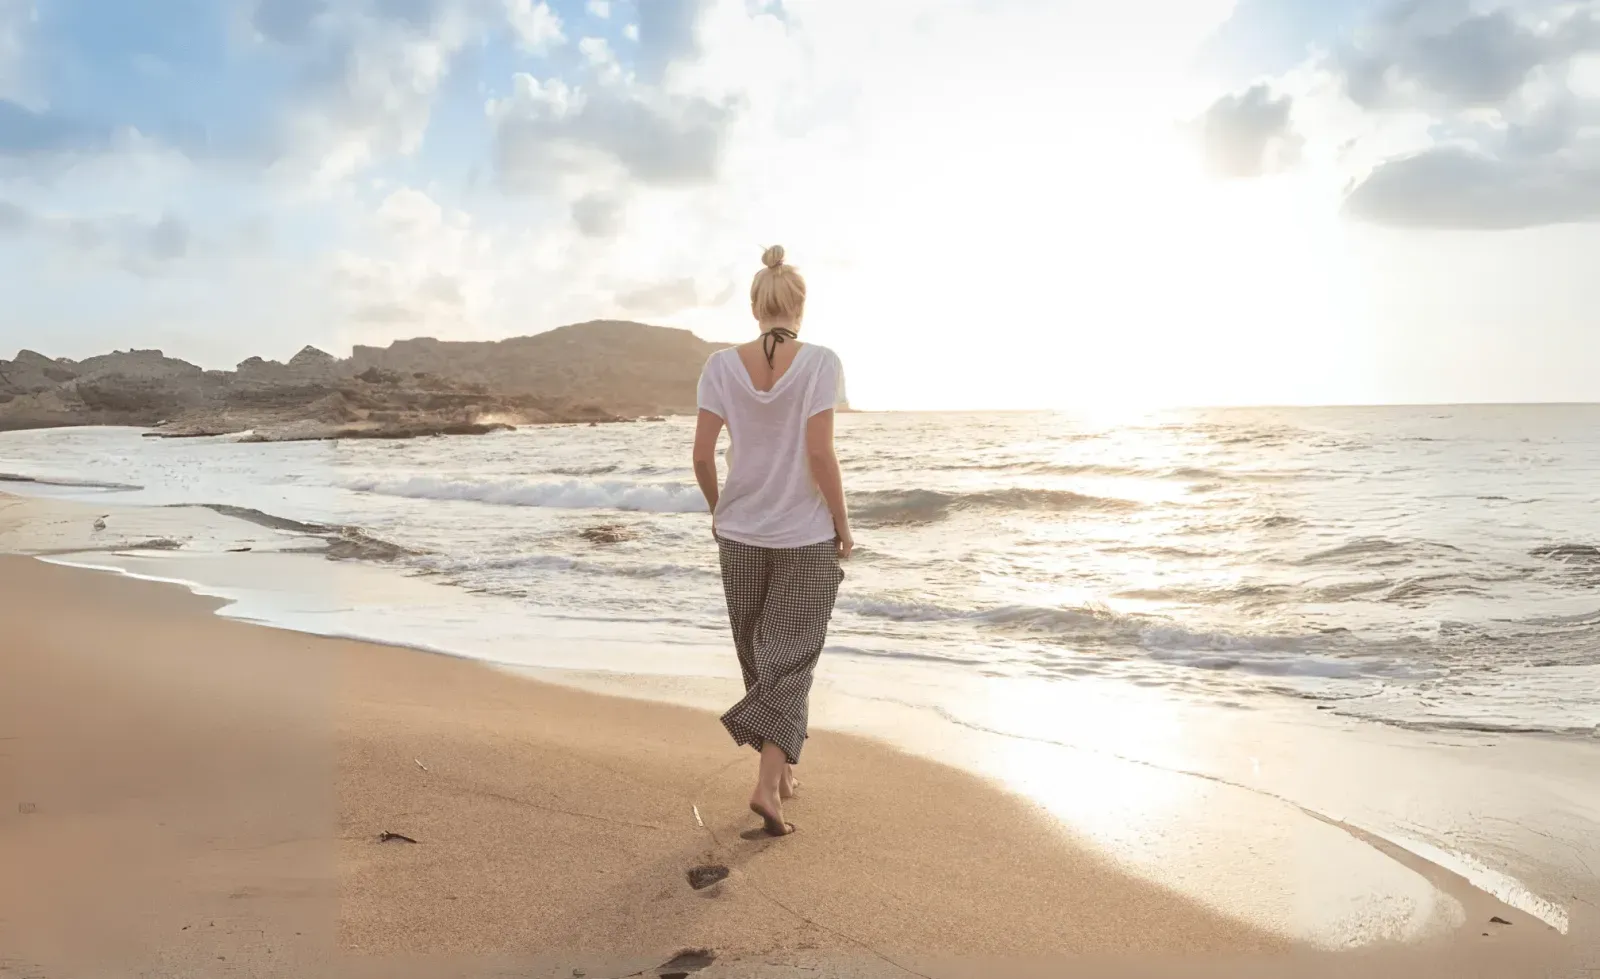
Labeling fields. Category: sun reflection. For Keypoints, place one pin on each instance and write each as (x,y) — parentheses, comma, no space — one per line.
(1070,750)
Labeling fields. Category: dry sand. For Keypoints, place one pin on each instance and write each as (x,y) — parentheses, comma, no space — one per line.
(183,795)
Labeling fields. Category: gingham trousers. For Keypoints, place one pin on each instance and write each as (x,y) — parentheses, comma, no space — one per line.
(779,604)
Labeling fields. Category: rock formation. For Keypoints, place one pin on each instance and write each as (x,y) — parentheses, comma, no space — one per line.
(591,372)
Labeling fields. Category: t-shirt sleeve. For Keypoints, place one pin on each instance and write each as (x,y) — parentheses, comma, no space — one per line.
(710,395)
(827,391)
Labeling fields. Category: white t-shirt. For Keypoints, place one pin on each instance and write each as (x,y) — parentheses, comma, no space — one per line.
(769,498)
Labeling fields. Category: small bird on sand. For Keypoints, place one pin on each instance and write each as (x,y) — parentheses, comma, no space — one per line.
(100,522)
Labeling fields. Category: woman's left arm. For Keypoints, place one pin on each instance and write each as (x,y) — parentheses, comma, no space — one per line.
(706,430)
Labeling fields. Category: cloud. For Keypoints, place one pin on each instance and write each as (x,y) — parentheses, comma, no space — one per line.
(1435,51)
(140,247)
(660,298)
(597,215)
(409,210)
(600,8)
(668,34)
(385,313)
(537,27)
(287,21)
(597,52)
(26,133)
(421,15)
(442,288)
(416,263)
(16,18)
(133,244)
(370,79)
(1439,114)
(546,130)
(168,239)
(1250,134)
(1453,188)
(13,218)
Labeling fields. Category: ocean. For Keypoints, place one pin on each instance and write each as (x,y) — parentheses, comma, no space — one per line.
(1426,567)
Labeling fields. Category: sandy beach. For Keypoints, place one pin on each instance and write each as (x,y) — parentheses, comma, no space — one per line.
(185,795)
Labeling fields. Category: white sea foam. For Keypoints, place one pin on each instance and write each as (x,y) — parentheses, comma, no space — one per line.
(569,494)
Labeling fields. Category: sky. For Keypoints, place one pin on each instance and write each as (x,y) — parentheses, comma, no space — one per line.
(1086,204)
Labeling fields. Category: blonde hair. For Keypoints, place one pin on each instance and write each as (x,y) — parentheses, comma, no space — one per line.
(778,291)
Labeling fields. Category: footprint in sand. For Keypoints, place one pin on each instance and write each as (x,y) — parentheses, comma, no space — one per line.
(685,962)
(702,877)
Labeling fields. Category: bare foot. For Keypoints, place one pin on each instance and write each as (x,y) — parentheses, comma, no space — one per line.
(788,783)
(770,809)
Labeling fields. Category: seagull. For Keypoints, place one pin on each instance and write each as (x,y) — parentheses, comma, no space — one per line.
(100,522)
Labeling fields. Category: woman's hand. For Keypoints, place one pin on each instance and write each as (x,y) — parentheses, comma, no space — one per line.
(845,543)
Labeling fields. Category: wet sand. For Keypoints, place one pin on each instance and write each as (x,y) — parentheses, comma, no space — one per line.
(188,794)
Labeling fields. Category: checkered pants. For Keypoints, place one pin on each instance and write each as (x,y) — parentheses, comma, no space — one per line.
(779,604)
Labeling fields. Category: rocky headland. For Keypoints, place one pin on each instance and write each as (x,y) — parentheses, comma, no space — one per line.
(602,371)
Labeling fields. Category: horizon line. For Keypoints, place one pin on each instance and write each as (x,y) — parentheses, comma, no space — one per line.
(1226,407)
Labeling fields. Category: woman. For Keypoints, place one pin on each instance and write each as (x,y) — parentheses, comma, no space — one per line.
(780,522)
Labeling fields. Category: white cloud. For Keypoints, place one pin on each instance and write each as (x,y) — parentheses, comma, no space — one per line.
(16,19)
(287,21)
(1461,117)
(631,32)
(413,267)
(549,134)
(408,210)
(1250,134)
(598,215)
(1450,56)
(143,246)
(537,27)
(661,298)
(600,8)
(371,93)
(597,52)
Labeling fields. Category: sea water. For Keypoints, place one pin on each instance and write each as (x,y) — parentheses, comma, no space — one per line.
(1429,567)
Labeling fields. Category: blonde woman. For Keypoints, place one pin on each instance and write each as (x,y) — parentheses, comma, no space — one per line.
(779,522)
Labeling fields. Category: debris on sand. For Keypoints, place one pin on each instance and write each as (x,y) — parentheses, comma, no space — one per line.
(387,837)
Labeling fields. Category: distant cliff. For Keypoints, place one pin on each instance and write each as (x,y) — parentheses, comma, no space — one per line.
(600,371)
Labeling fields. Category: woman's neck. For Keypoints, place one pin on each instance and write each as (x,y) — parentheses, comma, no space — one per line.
(767,326)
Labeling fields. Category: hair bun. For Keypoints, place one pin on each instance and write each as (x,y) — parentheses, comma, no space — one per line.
(772,257)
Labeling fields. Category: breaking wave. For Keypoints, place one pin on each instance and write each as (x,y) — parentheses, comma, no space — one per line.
(889,507)
(568,494)
(558,562)
(883,507)
(1085,623)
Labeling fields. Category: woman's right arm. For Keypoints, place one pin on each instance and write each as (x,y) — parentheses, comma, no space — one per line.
(825,470)
(707,427)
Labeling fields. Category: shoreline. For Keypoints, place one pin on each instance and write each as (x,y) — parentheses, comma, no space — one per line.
(938,722)
(385,705)
(1201,760)
(1426,935)
(594,656)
